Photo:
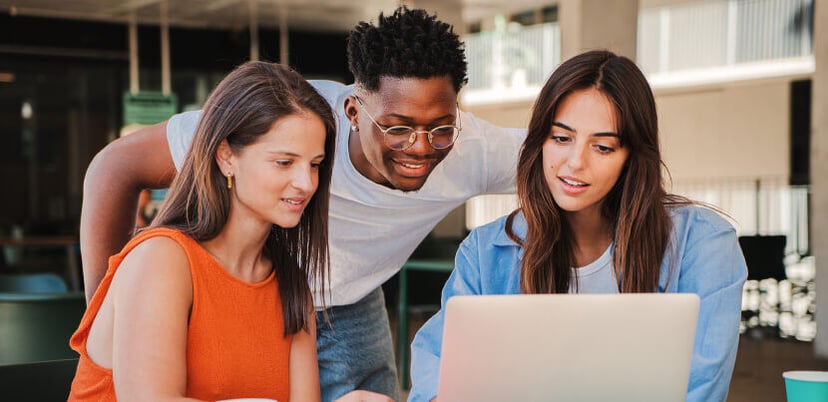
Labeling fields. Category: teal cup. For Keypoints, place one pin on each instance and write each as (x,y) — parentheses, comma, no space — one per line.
(806,386)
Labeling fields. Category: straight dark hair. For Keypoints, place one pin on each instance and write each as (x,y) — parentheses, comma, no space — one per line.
(636,205)
(244,106)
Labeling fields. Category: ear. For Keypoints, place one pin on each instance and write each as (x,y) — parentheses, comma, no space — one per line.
(224,158)
(352,112)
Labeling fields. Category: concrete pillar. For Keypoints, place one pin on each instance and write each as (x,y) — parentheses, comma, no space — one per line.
(819,181)
(598,24)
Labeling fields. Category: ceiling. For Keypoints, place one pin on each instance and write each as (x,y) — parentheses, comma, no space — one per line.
(316,15)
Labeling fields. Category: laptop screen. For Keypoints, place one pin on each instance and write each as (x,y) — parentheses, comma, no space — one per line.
(622,347)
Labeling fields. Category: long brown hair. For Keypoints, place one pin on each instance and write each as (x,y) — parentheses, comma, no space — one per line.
(244,105)
(636,205)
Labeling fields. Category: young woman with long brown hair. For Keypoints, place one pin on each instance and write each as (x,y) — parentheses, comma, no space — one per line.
(594,217)
(212,301)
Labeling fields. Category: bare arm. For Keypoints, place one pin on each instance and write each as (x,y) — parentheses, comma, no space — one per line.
(304,368)
(113,181)
(151,297)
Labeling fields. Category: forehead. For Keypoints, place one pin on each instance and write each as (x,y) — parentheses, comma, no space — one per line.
(301,132)
(411,96)
(587,110)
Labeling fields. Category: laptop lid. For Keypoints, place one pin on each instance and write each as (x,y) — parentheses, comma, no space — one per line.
(623,347)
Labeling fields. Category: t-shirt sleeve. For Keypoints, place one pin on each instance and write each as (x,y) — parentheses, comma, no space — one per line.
(503,158)
(501,147)
(180,131)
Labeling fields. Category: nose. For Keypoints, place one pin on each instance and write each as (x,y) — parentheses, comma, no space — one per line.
(576,158)
(305,179)
(421,146)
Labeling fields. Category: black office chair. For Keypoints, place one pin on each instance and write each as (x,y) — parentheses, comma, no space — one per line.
(44,381)
(36,327)
(764,256)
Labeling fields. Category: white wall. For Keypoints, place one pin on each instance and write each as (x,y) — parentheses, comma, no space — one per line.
(663,3)
(731,131)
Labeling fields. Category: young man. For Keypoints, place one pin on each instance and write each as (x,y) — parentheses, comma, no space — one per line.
(405,158)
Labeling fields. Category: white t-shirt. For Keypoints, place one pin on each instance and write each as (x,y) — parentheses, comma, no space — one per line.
(597,276)
(374,229)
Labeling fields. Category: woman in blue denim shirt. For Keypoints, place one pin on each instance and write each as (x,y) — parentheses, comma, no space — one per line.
(594,217)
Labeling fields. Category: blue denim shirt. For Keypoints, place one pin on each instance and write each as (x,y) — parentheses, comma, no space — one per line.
(709,263)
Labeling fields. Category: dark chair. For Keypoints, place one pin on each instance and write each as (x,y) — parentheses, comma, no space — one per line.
(764,256)
(44,381)
(765,259)
(431,264)
(37,326)
(32,283)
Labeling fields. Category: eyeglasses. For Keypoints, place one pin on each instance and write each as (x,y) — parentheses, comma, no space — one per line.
(400,138)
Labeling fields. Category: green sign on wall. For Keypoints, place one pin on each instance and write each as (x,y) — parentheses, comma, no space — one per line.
(148,107)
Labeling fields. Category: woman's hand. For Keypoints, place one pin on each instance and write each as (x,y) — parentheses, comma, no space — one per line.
(364,396)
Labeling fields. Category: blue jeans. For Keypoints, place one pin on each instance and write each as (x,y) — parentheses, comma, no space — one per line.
(355,351)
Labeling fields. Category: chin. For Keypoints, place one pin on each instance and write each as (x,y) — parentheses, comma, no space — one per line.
(406,185)
(568,207)
(286,223)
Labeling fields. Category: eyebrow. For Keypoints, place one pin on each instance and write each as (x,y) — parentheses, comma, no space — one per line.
(410,120)
(293,154)
(601,134)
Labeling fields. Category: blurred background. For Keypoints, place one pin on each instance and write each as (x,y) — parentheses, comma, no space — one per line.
(740,87)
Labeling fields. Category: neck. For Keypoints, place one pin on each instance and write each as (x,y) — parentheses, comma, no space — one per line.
(592,235)
(239,249)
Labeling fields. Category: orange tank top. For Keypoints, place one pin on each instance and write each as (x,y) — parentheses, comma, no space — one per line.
(235,342)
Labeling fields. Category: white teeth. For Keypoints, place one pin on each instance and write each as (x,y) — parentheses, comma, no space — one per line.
(294,202)
(410,166)
(573,183)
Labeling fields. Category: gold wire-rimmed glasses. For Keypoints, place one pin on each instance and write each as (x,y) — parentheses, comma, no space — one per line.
(400,138)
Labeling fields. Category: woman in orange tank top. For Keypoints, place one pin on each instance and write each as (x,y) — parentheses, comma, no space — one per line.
(212,301)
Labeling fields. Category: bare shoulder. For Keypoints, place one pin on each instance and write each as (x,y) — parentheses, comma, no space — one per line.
(157,265)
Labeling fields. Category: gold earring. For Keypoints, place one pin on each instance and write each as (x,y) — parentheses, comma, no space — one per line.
(229,181)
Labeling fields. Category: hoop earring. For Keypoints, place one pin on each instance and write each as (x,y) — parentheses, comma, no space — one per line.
(229,181)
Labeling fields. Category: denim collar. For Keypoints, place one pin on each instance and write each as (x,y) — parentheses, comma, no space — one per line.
(518,226)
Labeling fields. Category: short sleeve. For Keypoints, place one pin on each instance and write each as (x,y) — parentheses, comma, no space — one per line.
(180,131)
(501,147)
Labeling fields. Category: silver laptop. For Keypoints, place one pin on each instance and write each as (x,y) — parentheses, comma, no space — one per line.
(627,347)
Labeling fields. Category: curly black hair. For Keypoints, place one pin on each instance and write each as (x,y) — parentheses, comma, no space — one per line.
(409,43)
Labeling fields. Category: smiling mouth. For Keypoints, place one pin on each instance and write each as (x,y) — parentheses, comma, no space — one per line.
(294,202)
(412,165)
(412,168)
(573,183)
